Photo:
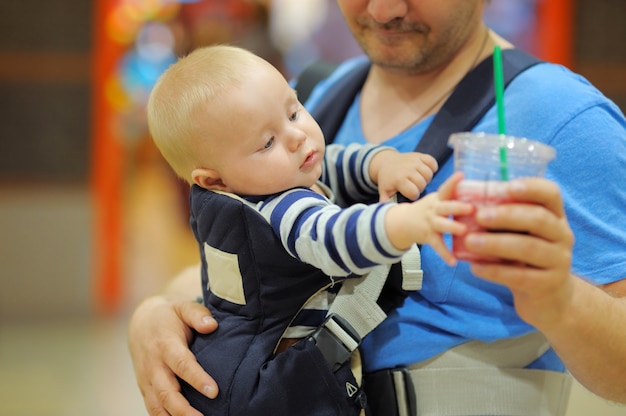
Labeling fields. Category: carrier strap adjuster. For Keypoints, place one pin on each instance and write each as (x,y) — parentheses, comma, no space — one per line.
(336,340)
(391,392)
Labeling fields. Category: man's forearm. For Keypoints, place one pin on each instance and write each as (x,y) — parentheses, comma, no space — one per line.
(592,338)
(186,284)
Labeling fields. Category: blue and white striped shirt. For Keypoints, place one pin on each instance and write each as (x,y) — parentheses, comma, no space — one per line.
(317,230)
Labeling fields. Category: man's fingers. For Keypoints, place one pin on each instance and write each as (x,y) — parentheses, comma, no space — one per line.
(525,218)
(169,400)
(514,247)
(538,191)
(516,276)
(184,364)
(197,316)
(153,406)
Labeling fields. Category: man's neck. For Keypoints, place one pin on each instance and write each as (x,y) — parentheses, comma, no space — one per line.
(392,102)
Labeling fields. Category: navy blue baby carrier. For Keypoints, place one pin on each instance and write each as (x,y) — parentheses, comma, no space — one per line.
(273,288)
(256,288)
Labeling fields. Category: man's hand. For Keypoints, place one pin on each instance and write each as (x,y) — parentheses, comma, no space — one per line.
(158,337)
(535,242)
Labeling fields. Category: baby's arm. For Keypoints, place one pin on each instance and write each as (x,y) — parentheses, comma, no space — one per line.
(426,220)
(404,173)
(340,242)
(346,172)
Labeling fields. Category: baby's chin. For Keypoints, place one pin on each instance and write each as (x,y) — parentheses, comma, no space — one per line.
(308,183)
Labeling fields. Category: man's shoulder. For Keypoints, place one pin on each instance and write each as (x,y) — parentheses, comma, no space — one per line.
(552,83)
(555,94)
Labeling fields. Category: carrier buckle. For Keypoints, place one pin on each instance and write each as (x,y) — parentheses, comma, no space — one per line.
(336,340)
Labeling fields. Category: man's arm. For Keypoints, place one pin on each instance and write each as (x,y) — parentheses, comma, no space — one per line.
(591,340)
(584,323)
(159,333)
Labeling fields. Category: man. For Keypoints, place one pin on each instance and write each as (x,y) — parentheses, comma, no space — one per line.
(420,51)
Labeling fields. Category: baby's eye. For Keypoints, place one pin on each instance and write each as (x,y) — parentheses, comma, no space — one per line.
(269,144)
(293,116)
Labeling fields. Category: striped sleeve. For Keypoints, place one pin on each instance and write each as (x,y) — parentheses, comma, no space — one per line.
(346,172)
(338,241)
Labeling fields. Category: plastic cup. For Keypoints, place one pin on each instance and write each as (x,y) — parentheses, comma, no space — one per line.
(485,170)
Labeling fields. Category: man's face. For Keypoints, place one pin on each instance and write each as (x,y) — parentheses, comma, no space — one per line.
(415,36)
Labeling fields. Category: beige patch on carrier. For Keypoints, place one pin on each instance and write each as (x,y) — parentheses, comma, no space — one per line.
(225,278)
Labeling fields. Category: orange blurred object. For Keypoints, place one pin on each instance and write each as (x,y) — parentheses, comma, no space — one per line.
(555,31)
(106,168)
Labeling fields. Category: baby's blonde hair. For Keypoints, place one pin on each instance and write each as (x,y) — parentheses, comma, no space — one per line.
(181,99)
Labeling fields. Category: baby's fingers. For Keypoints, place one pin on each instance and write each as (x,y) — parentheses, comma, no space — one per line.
(406,187)
(384,195)
(447,189)
(443,225)
(410,189)
(440,248)
(452,207)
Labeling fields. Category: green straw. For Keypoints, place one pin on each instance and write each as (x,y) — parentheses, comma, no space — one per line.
(498,77)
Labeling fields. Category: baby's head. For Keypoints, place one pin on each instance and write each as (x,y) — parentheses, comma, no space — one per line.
(227,120)
(181,106)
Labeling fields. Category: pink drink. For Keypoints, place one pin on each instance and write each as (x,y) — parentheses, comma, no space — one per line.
(480,194)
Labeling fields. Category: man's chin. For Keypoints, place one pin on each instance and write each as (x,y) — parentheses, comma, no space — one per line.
(399,54)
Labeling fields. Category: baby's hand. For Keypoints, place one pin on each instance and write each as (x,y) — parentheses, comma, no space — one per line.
(406,173)
(427,219)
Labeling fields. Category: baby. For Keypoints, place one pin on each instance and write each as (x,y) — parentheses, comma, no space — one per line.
(280,218)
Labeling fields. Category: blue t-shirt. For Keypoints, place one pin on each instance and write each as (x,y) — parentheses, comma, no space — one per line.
(550,104)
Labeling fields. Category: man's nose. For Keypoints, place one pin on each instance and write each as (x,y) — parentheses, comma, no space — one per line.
(384,11)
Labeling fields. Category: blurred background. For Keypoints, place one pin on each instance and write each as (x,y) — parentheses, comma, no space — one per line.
(92,220)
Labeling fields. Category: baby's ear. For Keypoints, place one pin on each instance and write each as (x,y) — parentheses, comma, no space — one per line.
(208,179)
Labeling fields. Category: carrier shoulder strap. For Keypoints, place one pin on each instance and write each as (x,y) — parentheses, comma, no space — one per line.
(470,101)
(462,110)
(312,74)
